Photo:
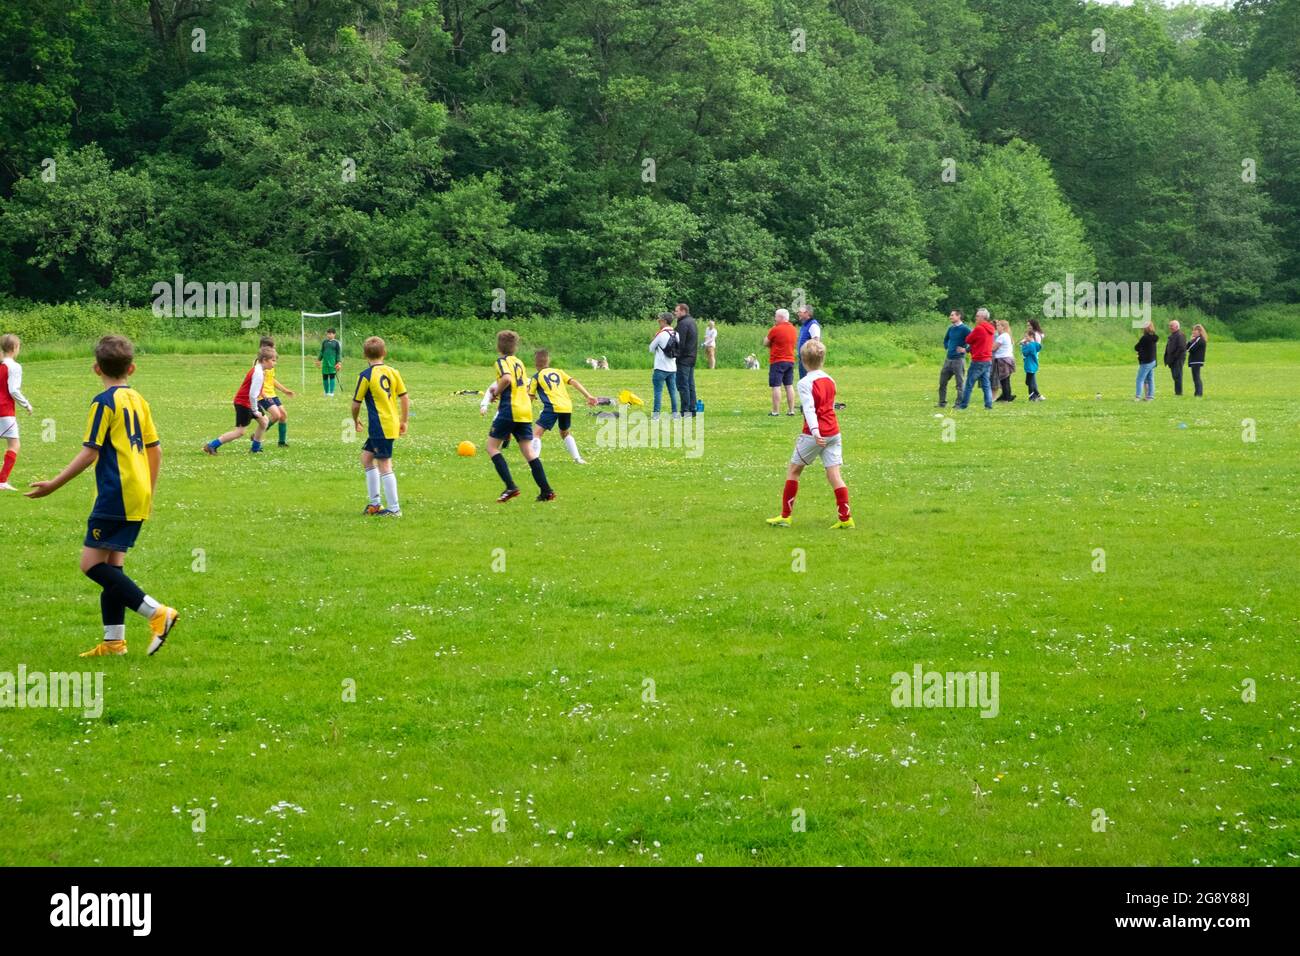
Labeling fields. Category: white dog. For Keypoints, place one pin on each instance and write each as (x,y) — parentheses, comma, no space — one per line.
(601,363)
(751,361)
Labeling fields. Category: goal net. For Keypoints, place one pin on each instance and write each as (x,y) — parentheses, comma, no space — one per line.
(314,326)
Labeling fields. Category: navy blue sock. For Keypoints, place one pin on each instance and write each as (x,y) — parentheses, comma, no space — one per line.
(117,586)
(111,610)
(499,461)
(539,475)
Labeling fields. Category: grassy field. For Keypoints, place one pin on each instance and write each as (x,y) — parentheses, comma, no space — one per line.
(520,696)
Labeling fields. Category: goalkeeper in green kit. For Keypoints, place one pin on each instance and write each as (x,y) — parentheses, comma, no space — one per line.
(330,361)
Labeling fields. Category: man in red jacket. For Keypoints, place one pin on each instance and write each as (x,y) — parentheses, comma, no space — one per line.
(980,346)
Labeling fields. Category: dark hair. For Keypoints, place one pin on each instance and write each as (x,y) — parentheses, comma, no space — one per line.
(1035,325)
(507,342)
(683,305)
(114,355)
(542,358)
(329,331)
(961,316)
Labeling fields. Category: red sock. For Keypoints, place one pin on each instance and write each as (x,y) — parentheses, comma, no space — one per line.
(10,458)
(787,498)
(842,502)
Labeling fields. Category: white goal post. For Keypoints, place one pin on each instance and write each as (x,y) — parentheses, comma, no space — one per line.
(303,317)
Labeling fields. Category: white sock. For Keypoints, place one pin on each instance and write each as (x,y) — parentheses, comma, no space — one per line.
(537,446)
(115,632)
(146,609)
(390,489)
(571,444)
(372,485)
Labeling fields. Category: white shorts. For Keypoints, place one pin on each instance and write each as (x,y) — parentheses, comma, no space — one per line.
(8,427)
(806,449)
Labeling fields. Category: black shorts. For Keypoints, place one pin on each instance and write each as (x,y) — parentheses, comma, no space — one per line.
(549,418)
(503,428)
(379,447)
(780,373)
(243,415)
(111,534)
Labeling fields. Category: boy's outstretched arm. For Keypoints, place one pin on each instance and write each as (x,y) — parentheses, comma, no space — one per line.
(591,399)
(80,462)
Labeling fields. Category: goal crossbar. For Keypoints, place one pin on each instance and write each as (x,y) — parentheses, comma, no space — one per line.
(303,317)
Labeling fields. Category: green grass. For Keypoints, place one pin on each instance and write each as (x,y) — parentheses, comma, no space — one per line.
(524,690)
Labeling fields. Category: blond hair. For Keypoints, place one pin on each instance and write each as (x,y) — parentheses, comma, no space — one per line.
(9,343)
(813,354)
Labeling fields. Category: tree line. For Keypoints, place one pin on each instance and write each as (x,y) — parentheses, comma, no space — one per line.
(605,157)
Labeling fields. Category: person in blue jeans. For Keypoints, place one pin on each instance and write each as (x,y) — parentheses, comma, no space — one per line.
(664,348)
(1145,347)
(979,344)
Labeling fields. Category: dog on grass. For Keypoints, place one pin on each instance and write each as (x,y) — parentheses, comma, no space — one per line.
(599,363)
(751,361)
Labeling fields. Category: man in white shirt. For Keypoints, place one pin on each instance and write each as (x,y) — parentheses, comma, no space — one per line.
(664,348)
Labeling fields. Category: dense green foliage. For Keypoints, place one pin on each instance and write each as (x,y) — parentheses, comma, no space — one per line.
(603,157)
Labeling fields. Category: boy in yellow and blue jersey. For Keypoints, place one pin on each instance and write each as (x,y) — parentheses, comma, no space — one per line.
(381,389)
(269,403)
(548,384)
(122,443)
(514,418)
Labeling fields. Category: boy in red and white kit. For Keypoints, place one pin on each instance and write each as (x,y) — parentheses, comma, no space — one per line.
(11,394)
(820,438)
(246,410)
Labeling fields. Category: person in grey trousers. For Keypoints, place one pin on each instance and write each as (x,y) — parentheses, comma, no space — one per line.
(954,365)
(688,337)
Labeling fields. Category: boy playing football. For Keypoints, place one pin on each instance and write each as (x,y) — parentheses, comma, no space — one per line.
(330,361)
(246,405)
(11,395)
(820,438)
(514,418)
(122,443)
(548,384)
(381,388)
(269,403)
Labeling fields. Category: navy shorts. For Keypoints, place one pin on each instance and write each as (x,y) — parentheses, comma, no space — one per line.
(265,403)
(379,447)
(112,534)
(780,373)
(243,415)
(503,428)
(549,417)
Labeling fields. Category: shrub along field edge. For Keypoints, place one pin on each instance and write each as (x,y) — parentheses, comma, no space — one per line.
(65,331)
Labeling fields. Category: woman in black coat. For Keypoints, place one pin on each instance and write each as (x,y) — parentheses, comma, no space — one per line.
(1196,357)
